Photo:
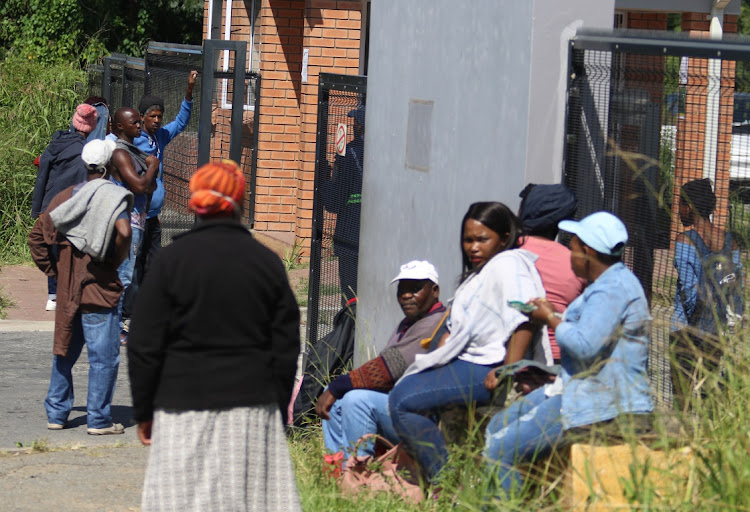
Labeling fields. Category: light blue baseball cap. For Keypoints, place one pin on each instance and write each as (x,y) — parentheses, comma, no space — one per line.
(601,231)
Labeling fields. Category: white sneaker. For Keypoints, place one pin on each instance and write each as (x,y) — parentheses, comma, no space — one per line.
(51,305)
(114,428)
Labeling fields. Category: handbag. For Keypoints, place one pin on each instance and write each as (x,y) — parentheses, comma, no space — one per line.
(394,471)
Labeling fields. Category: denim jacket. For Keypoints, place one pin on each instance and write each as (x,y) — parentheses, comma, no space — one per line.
(604,342)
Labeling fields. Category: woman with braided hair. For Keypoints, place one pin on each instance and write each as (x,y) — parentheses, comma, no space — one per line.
(212,356)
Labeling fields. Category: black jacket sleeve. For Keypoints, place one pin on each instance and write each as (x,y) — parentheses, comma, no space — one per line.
(147,340)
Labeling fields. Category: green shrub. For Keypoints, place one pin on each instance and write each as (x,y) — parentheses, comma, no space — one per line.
(35,101)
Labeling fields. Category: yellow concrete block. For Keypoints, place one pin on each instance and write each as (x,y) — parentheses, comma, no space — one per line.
(598,478)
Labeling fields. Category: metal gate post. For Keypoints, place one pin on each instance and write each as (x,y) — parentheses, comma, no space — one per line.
(106,80)
(254,160)
(210,46)
(316,243)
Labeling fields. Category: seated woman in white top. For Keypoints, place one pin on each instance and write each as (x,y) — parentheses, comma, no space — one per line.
(484,332)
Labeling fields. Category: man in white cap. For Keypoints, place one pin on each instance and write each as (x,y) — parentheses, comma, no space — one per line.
(356,403)
(90,225)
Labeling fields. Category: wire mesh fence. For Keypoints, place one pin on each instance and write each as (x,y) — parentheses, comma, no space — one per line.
(167,70)
(338,197)
(646,115)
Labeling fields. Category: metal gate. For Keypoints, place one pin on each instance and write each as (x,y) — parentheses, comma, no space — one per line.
(338,196)
(216,129)
(645,116)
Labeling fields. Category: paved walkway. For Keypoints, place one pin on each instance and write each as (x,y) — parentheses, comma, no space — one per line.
(27,287)
(65,470)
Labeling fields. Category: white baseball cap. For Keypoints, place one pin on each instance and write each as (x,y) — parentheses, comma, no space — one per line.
(96,153)
(417,270)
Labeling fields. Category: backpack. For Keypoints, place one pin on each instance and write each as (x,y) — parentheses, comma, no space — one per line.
(719,288)
(330,355)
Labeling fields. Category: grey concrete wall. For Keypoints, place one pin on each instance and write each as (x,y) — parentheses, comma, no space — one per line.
(481,64)
(555,22)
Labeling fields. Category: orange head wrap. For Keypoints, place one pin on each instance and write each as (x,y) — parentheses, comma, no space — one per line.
(216,189)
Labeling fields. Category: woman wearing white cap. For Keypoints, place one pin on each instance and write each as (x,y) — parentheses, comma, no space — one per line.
(603,338)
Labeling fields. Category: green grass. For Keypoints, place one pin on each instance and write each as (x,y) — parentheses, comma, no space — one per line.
(302,291)
(718,432)
(5,303)
(35,101)
(293,256)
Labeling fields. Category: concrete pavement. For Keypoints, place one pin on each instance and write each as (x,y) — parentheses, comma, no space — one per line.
(63,470)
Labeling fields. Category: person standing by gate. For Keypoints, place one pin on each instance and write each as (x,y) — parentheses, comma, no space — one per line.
(135,171)
(341,193)
(153,140)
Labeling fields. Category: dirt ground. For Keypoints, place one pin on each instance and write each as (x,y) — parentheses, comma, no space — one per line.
(107,478)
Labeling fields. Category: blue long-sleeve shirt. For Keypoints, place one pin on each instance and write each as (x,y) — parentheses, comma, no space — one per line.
(155,146)
(604,341)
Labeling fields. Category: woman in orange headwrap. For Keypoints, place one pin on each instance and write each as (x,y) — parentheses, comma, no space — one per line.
(212,356)
(216,190)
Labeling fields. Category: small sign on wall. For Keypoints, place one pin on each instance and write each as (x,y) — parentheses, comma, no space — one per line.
(341,139)
(305,59)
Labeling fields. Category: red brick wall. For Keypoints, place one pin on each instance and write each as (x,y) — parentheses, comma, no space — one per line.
(288,115)
(332,35)
(281,24)
(647,20)
(330,29)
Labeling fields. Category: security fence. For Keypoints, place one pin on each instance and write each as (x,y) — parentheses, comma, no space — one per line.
(338,194)
(123,80)
(647,114)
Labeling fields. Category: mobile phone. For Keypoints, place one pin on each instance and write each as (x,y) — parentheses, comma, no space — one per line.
(521,306)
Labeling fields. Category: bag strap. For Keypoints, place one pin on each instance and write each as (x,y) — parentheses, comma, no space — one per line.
(373,437)
(511,369)
(727,249)
(698,243)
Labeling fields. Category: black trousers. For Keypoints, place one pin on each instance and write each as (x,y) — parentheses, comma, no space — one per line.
(149,247)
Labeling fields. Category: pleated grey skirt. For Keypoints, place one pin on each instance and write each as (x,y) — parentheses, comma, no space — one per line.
(231,460)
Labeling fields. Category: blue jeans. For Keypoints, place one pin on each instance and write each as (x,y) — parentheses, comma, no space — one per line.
(526,429)
(417,398)
(99,331)
(125,270)
(150,245)
(357,413)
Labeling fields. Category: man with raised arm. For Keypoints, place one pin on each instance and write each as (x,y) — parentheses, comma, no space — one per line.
(153,140)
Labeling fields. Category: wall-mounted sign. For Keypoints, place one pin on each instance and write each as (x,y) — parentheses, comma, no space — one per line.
(341,139)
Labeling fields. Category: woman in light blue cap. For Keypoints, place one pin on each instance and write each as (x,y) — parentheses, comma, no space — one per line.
(603,339)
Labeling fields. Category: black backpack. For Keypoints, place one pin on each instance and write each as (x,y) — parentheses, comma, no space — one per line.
(719,289)
(329,356)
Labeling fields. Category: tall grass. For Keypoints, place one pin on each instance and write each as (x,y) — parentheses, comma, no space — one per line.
(35,101)
(716,428)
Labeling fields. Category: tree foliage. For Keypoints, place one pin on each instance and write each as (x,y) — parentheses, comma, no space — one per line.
(51,31)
